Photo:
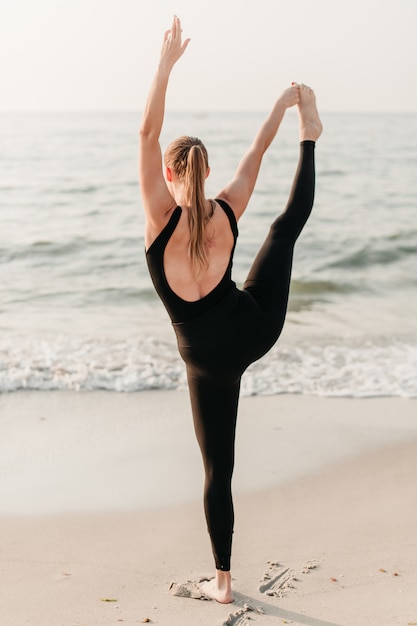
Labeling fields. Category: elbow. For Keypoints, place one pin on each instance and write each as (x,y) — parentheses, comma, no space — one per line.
(148,137)
(145,132)
(147,129)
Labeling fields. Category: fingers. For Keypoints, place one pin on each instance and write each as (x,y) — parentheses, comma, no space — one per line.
(184,45)
(291,95)
(176,29)
(176,25)
(174,34)
(173,46)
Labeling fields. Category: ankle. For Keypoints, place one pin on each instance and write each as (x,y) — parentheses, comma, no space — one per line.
(223,578)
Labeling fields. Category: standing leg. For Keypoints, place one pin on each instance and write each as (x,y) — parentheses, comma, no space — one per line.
(214,407)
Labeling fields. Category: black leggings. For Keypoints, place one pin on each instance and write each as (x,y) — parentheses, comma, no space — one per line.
(218,346)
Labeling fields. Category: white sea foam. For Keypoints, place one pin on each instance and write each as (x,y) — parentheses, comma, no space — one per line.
(80,364)
(337,370)
(136,365)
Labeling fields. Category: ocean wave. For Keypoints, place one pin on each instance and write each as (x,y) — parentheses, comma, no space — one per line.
(306,293)
(383,251)
(332,173)
(88,364)
(408,235)
(49,250)
(72,190)
(361,371)
(131,365)
(300,287)
(122,296)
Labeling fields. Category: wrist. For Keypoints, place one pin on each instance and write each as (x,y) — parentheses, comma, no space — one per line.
(282,104)
(164,68)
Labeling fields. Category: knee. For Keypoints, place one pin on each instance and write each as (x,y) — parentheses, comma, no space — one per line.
(219,475)
(281,230)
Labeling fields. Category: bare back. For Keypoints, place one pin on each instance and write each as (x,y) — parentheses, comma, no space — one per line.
(177,264)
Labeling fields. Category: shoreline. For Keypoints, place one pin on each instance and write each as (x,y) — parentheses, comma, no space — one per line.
(101,500)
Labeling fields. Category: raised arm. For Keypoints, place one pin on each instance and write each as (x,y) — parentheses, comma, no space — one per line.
(156,197)
(238,192)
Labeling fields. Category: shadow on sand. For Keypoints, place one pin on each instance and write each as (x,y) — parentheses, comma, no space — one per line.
(248,606)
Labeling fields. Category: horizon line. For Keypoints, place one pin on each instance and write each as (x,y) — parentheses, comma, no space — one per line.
(207,111)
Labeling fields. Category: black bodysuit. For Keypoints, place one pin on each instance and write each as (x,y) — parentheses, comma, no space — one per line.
(221,334)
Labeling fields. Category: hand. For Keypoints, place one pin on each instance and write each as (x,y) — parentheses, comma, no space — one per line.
(291,96)
(173,47)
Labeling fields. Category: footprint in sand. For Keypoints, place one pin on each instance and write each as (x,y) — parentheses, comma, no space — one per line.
(241,617)
(190,589)
(238,618)
(277,580)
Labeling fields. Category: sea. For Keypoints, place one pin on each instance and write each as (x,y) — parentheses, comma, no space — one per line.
(77,307)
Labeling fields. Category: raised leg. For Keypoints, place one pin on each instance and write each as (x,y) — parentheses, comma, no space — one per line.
(269,277)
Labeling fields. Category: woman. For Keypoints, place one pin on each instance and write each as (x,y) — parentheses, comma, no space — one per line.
(190,242)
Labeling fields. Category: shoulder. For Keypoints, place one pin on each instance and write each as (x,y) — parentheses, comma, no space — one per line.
(229,213)
(226,202)
(156,223)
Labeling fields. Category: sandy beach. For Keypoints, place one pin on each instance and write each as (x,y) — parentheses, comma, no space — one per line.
(100,510)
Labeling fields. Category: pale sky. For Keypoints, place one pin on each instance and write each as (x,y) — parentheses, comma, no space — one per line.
(358,55)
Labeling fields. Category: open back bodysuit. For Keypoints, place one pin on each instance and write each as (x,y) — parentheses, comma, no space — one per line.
(221,334)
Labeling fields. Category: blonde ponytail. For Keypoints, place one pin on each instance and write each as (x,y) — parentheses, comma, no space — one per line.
(188,158)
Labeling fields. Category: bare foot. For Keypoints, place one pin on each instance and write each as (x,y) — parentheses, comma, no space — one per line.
(219,588)
(310,124)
